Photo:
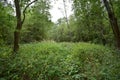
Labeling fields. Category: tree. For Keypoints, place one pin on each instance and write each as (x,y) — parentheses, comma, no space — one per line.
(20,22)
(113,21)
(66,13)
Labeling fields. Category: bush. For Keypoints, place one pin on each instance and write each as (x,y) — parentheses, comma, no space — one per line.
(62,61)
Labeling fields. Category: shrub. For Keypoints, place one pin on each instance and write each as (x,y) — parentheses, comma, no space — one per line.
(62,61)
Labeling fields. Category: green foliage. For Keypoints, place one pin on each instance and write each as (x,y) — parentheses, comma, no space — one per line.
(59,61)
(61,32)
(6,24)
(37,22)
(62,61)
(89,23)
(88,28)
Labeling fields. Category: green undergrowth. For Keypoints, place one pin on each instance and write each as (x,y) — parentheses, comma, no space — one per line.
(60,61)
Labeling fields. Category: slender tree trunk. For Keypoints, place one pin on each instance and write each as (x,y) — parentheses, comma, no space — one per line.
(66,14)
(113,21)
(17,37)
(18,27)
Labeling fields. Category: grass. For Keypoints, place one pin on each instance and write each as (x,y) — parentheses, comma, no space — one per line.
(60,61)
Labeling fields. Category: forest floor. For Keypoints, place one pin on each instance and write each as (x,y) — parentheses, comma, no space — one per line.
(60,61)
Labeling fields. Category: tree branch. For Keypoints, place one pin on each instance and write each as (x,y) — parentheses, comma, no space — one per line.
(26,9)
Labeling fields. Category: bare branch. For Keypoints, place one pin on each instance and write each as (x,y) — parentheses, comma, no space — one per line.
(26,9)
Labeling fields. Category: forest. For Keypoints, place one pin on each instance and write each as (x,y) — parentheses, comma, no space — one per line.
(82,46)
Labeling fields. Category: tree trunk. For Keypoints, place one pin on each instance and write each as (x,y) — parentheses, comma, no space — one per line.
(16,41)
(67,22)
(113,21)
(17,36)
(18,27)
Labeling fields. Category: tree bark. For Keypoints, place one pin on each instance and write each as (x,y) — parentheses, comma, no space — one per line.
(18,27)
(113,21)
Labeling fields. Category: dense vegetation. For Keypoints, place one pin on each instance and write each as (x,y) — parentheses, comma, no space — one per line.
(83,46)
(60,61)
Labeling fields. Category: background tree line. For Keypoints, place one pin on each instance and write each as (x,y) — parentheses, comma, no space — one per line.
(91,22)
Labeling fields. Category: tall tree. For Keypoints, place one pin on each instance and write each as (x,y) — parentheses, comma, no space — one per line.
(66,13)
(113,21)
(20,21)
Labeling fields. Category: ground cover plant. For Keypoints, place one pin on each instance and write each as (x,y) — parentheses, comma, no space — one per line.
(60,61)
